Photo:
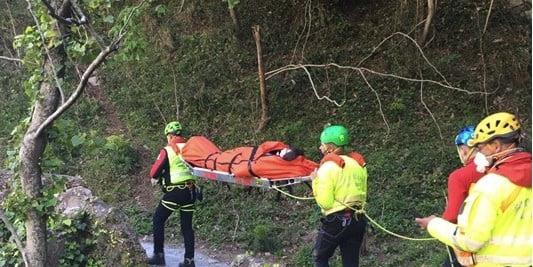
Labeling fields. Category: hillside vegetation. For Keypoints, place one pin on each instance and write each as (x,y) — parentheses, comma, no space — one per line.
(191,57)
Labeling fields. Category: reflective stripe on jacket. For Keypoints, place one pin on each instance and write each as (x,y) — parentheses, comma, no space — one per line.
(495,224)
(335,187)
(179,172)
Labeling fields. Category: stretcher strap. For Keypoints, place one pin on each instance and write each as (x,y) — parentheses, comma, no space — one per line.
(214,161)
(232,161)
(254,150)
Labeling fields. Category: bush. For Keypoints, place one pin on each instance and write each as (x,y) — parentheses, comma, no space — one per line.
(263,239)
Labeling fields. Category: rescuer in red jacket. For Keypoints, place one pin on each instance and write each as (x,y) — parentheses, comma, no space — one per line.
(459,182)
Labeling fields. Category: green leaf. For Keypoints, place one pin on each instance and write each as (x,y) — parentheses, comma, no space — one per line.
(109,19)
(233,3)
(67,222)
(77,140)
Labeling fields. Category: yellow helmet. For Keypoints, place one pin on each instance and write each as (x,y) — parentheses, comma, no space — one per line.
(500,124)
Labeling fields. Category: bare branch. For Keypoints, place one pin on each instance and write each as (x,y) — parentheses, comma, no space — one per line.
(315,91)
(81,86)
(426,106)
(121,32)
(488,16)
(11,59)
(416,26)
(417,46)
(15,236)
(160,112)
(181,6)
(12,26)
(273,73)
(308,27)
(308,3)
(379,101)
(482,52)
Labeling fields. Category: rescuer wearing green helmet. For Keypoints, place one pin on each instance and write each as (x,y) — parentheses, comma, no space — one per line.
(339,187)
(178,184)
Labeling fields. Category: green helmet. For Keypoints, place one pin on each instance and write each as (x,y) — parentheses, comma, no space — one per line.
(336,134)
(173,128)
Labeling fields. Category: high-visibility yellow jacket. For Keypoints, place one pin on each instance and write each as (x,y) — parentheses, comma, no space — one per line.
(179,172)
(495,224)
(336,187)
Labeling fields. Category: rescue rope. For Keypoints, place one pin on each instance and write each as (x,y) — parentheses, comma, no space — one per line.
(361,211)
(289,195)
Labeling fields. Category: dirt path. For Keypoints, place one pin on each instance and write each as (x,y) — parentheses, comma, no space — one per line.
(143,191)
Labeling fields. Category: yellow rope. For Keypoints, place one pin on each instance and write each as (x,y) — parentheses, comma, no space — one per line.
(397,235)
(359,211)
(293,196)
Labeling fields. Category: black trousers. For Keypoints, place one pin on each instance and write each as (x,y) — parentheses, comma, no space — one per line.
(341,230)
(176,199)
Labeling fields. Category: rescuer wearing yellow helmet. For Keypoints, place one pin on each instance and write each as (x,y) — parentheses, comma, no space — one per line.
(495,226)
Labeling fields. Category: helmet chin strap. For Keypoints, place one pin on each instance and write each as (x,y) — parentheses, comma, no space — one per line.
(460,155)
(468,155)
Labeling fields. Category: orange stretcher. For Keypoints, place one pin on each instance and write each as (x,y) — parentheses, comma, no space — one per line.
(267,165)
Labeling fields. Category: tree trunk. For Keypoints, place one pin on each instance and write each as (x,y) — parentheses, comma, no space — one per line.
(429,19)
(262,86)
(33,146)
(30,156)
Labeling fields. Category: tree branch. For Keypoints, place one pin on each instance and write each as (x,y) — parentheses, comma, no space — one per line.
(11,59)
(15,236)
(87,74)
(67,21)
(88,26)
(121,32)
(273,73)
(79,89)
(426,106)
(379,101)
(261,76)
(308,3)
(316,92)
(488,16)
(12,27)
(482,53)
(417,46)
(181,6)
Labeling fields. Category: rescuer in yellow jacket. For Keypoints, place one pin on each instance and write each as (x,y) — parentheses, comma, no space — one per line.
(340,184)
(495,226)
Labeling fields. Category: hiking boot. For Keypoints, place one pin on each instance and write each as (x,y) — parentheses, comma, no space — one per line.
(157,259)
(187,263)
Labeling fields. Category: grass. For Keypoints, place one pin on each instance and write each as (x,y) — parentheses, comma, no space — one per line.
(211,71)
